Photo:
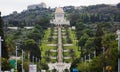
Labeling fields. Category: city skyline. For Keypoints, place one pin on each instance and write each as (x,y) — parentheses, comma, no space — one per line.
(7,7)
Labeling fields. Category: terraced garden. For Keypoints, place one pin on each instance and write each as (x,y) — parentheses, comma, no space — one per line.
(49,45)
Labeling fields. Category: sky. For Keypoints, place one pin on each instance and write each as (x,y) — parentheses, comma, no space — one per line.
(8,6)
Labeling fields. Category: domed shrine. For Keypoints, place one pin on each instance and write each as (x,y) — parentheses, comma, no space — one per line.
(59,18)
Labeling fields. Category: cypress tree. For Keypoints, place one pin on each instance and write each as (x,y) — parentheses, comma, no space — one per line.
(4,48)
(98,40)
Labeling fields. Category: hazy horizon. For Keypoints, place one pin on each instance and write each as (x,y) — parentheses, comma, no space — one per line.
(7,7)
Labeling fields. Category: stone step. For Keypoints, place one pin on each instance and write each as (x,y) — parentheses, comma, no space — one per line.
(55,33)
(63,30)
(54,36)
(51,44)
(53,57)
(53,50)
(55,30)
(67,57)
(67,44)
(66,50)
(64,36)
(63,33)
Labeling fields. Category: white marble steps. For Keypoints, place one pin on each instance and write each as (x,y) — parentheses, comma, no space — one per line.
(53,50)
(57,44)
(66,50)
(55,30)
(67,44)
(51,44)
(54,36)
(59,66)
(67,57)
(53,57)
(58,50)
(55,33)
(61,56)
(63,33)
(64,36)
(63,30)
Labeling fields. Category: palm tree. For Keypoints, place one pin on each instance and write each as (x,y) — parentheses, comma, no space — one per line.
(4,47)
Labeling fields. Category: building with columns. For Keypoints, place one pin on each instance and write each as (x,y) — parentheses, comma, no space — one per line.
(58,21)
(59,17)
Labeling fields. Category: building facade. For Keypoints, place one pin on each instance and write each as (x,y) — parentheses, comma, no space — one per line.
(35,6)
(59,17)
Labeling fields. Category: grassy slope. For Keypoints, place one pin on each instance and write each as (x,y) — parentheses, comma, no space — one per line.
(45,48)
(74,47)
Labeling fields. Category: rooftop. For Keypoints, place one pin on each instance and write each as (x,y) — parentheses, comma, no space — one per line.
(59,10)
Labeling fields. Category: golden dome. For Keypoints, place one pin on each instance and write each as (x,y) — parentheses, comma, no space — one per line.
(59,10)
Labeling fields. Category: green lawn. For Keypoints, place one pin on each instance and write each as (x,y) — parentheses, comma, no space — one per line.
(74,47)
(45,48)
(54,54)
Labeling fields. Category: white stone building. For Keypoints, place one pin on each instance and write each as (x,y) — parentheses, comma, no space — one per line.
(59,18)
(41,5)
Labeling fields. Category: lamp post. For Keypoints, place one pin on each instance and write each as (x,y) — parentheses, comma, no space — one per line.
(39,60)
(33,60)
(81,59)
(89,57)
(94,54)
(103,59)
(22,61)
(36,60)
(16,56)
(28,56)
(85,58)
(1,53)
(118,33)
